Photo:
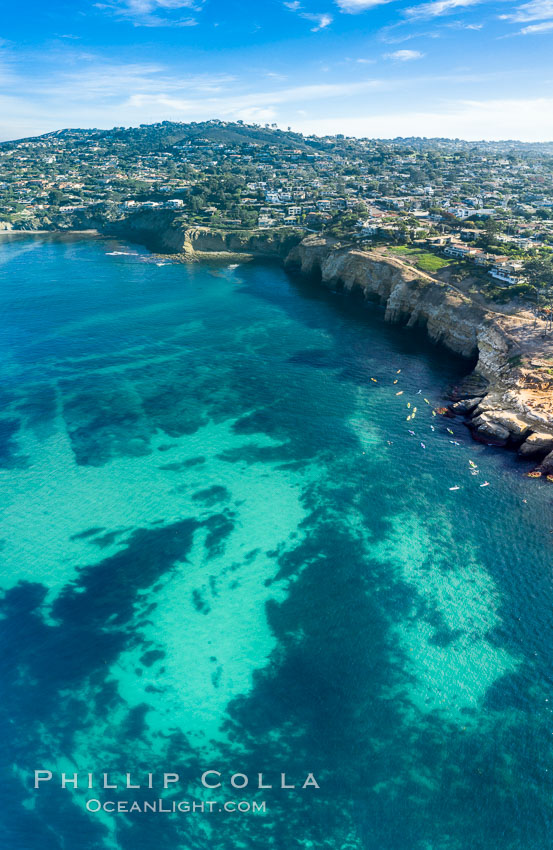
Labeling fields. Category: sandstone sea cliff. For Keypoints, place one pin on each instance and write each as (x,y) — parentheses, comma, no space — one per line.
(165,233)
(509,399)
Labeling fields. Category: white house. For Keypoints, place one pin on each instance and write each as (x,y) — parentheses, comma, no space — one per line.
(501,274)
(457,251)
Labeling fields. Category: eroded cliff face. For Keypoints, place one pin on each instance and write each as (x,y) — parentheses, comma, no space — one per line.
(165,233)
(517,407)
(409,297)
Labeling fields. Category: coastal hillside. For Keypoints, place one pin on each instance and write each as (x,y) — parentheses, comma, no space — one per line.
(150,138)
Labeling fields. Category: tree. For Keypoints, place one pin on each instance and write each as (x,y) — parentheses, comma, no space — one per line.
(540,271)
(56,197)
(491,229)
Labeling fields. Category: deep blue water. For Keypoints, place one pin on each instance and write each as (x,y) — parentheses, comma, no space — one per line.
(223,548)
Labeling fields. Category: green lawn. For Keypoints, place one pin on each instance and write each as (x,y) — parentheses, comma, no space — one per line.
(424,260)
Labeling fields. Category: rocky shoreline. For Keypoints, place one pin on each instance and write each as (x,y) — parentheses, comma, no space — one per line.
(508,399)
(164,233)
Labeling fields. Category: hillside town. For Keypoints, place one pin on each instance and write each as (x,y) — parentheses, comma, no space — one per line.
(483,211)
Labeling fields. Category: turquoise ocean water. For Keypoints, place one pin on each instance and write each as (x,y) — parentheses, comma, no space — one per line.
(221,547)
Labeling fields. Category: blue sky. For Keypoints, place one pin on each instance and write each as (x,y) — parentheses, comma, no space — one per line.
(459,68)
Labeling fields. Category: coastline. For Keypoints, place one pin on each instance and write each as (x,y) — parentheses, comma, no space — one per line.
(85,232)
(506,401)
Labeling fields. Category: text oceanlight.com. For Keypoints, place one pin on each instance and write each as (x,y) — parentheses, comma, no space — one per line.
(172,807)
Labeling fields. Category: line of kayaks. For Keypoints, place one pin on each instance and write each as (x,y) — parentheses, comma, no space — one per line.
(485,484)
(535,473)
(444,411)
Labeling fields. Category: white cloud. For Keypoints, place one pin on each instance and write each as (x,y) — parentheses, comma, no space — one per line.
(299,94)
(436,8)
(353,7)
(146,7)
(459,25)
(103,83)
(320,21)
(537,29)
(153,13)
(8,75)
(405,36)
(404,55)
(536,10)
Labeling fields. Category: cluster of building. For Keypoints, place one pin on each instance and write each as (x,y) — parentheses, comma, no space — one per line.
(500,267)
(239,176)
